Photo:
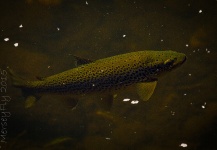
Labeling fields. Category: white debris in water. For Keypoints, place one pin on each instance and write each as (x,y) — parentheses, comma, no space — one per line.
(207,50)
(15,44)
(124,35)
(173,113)
(186,45)
(93,84)
(86,3)
(126,99)
(183,145)
(185,94)
(189,74)
(6,39)
(161,40)
(21,26)
(204,105)
(48,66)
(107,138)
(58,29)
(134,102)
(200,11)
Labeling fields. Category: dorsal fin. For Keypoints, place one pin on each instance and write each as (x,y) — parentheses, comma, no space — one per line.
(40,78)
(81,61)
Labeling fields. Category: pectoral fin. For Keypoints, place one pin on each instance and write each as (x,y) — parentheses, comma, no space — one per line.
(145,90)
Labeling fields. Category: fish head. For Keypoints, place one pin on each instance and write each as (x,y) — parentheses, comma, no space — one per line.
(159,62)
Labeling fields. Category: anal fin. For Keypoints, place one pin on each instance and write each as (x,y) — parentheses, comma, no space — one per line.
(30,101)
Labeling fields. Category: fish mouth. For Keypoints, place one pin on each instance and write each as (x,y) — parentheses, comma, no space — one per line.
(180,61)
(185,58)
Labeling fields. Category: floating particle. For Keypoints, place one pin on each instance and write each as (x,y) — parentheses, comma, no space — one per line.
(189,74)
(86,3)
(107,138)
(135,102)
(203,106)
(183,145)
(21,26)
(48,67)
(124,35)
(126,99)
(186,45)
(161,40)
(15,44)
(6,39)
(58,29)
(172,113)
(208,52)
(185,94)
(200,11)
(93,84)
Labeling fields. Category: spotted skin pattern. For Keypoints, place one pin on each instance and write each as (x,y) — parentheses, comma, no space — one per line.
(112,72)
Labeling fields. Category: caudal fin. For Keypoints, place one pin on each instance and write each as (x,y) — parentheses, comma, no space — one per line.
(17,81)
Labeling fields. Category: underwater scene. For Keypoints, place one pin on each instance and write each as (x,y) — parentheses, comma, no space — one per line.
(108,75)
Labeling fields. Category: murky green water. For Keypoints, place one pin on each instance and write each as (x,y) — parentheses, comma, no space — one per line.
(43,36)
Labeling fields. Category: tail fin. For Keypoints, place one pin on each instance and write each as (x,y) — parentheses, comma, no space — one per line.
(30,97)
(16,81)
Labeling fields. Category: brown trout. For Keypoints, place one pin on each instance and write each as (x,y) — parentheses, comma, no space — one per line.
(141,68)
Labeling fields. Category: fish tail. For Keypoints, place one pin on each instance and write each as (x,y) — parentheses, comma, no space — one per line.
(16,80)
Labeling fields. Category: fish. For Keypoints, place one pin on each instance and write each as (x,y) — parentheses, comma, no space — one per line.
(140,68)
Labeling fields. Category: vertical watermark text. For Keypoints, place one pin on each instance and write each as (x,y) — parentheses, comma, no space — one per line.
(4,113)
